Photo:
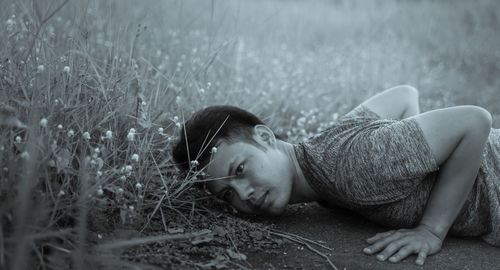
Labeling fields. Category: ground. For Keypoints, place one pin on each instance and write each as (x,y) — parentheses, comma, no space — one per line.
(345,233)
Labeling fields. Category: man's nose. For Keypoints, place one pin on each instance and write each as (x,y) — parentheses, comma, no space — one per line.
(243,188)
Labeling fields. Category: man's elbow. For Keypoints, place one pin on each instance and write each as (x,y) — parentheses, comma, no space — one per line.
(480,120)
(408,90)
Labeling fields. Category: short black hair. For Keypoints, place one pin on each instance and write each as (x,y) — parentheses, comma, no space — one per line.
(206,128)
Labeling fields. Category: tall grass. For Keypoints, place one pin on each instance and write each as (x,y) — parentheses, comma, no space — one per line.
(93,94)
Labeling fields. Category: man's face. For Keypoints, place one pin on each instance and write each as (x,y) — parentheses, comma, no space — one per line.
(254,179)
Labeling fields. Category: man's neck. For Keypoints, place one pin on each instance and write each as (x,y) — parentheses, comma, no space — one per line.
(301,190)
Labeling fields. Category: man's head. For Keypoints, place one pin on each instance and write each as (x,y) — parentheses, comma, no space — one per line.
(248,169)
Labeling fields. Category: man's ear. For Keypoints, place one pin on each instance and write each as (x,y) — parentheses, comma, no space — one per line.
(264,134)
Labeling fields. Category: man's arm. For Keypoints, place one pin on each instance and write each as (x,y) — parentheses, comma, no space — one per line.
(398,102)
(457,137)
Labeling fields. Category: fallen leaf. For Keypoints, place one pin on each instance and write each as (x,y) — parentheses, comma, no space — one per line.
(236,255)
(177,230)
(205,238)
(219,231)
(257,235)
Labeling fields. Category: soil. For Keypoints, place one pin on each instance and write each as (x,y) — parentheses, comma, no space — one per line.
(236,242)
(346,232)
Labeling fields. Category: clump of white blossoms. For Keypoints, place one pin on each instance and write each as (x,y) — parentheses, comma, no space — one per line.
(214,150)
(40,68)
(61,193)
(160,130)
(59,126)
(100,191)
(131,135)
(138,185)
(18,139)
(71,133)
(86,135)
(109,135)
(66,69)
(194,163)
(135,157)
(43,122)
(25,155)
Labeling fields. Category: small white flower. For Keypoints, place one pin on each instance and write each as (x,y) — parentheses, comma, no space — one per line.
(131,208)
(66,69)
(135,157)
(5,169)
(160,130)
(41,68)
(176,118)
(130,136)
(52,163)
(138,185)
(194,163)
(18,139)
(86,135)
(202,91)
(109,134)
(93,162)
(43,122)
(123,178)
(99,236)
(99,173)
(59,126)
(214,150)
(61,193)
(178,124)
(2,148)
(100,192)
(25,155)
(140,197)
(71,133)
(128,168)
(96,150)
(120,190)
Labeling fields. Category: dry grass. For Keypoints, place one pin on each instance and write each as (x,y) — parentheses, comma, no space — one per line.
(93,94)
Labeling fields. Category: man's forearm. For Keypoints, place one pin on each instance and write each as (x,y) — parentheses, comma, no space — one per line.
(454,183)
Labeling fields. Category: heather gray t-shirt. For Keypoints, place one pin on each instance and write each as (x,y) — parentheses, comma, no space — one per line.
(385,170)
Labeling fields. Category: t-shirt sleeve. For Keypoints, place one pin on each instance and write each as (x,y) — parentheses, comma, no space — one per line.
(383,164)
(361,111)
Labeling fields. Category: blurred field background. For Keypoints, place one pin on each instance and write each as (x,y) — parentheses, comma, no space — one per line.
(93,94)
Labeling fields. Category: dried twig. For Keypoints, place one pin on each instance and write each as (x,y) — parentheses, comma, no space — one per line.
(300,241)
(151,239)
(306,240)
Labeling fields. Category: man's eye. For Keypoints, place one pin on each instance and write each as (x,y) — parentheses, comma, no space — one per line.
(239,170)
(228,194)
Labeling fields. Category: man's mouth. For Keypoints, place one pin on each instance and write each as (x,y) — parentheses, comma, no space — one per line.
(260,202)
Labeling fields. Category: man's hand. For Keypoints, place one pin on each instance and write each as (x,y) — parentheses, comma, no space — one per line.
(404,242)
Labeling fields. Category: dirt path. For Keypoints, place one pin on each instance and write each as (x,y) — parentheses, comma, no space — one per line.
(346,233)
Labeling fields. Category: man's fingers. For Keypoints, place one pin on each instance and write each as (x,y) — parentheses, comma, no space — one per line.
(381,243)
(378,236)
(421,256)
(391,248)
(402,253)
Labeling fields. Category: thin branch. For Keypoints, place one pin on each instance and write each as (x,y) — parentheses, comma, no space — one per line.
(307,245)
